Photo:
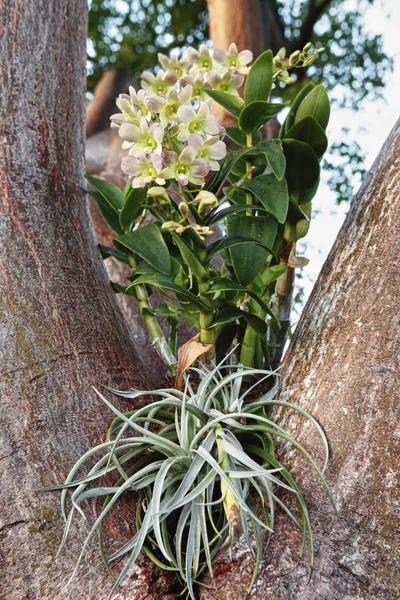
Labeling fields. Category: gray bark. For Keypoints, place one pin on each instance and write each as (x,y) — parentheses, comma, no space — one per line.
(61,329)
(342,366)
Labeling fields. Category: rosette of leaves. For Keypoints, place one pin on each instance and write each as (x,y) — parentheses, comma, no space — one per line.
(202,466)
(265,191)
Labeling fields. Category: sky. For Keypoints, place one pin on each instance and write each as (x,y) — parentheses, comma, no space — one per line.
(371,125)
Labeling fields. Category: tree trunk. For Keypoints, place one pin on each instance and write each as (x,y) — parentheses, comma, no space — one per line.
(342,366)
(61,330)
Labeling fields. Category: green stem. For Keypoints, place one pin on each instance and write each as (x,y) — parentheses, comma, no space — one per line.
(249,198)
(281,306)
(207,333)
(153,327)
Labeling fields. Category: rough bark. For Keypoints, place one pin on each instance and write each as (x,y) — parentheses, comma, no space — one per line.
(61,330)
(342,366)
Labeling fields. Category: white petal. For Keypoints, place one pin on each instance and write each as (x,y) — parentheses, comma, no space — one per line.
(217,151)
(156,160)
(157,132)
(200,167)
(186,155)
(131,166)
(130,132)
(211,125)
(156,103)
(245,56)
(186,114)
(185,94)
(219,55)
(195,141)
(169,157)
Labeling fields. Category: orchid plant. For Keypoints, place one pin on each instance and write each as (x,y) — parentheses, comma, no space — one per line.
(213,231)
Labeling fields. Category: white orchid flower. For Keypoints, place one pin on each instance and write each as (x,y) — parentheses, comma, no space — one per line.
(202,60)
(168,107)
(143,169)
(228,82)
(199,121)
(197,82)
(233,60)
(128,112)
(179,66)
(184,168)
(143,138)
(212,150)
(159,84)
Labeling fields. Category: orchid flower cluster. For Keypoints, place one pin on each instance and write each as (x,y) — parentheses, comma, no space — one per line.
(167,125)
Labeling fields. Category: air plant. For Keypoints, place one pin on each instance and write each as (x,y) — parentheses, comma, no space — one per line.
(202,464)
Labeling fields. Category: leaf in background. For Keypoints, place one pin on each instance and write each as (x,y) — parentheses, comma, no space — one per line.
(110,192)
(107,252)
(148,243)
(315,104)
(274,152)
(230,315)
(257,113)
(131,208)
(308,130)
(233,104)
(259,79)
(230,241)
(272,193)
(302,170)
(107,212)
(226,285)
(249,259)
(289,121)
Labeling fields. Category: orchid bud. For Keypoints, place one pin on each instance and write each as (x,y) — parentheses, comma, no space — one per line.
(170,226)
(307,47)
(183,209)
(205,199)
(159,192)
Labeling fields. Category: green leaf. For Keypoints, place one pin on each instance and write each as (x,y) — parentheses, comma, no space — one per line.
(237,136)
(110,192)
(295,214)
(107,252)
(231,210)
(108,213)
(274,152)
(166,283)
(298,222)
(233,104)
(229,315)
(149,244)
(216,183)
(226,285)
(230,241)
(259,79)
(308,130)
(131,208)
(122,289)
(256,114)
(249,259)
(302,170)
(315,104)
(272,193)
(289,121)
(190,258)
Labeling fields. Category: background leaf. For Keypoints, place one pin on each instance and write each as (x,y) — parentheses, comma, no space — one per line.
(149,244)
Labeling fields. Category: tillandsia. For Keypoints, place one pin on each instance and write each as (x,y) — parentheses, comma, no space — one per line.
(201,463)
(213,231)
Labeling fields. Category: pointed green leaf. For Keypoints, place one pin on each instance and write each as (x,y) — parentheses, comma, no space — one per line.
(225,212)
(289,121)
(308,130)
(107,212)
(149,244)
(249,259)
(132,206)
(315,104)
(216,183)
(190,258)
(110,192)
(233,104)
(274,152)
(257,113)
(302,170)
(272,193)
(166,283)
(259,79)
